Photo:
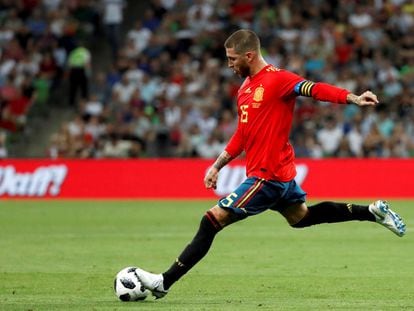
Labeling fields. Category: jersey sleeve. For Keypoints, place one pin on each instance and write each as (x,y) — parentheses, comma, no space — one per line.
(294,84)
(235,145)
(322,91)
(329,93)
(287,81)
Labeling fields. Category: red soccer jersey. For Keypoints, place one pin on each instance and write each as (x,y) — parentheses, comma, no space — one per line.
(265,105)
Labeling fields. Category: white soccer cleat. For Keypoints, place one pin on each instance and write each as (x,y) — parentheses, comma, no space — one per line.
(386,217)
(153,282)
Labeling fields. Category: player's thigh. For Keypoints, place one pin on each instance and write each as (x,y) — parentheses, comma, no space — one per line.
(292,203)
(252,197)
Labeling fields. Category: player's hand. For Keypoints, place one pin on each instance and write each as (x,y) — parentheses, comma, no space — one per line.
(366,99)
(210,180)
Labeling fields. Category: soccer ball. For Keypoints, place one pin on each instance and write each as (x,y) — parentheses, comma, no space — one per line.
(127,286)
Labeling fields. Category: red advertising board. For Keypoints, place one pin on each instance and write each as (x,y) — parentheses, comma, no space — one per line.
(183,178)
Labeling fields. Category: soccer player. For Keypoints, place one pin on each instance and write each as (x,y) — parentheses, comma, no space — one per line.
(265,103)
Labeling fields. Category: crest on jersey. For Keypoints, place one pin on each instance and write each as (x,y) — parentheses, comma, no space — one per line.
(258,94)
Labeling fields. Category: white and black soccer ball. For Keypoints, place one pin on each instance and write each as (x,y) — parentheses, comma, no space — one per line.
(127,286)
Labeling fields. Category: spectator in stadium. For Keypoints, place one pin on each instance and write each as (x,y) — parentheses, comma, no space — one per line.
(355,137)
(212,146)
(374,144)
(265,103)
(399,142)
(3,148)
(123,91)
(79,63)
(113,15)
(140,36)
(330,136)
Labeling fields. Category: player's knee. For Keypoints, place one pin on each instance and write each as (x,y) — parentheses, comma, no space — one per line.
(301,222)
(222,216)
(296,216)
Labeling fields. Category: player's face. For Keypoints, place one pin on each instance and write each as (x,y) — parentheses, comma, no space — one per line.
(238,62)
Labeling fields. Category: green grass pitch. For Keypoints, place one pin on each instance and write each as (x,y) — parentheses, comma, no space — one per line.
(63,255)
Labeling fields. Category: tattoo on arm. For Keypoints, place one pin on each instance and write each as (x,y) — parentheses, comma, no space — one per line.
(222,160)
(352,98)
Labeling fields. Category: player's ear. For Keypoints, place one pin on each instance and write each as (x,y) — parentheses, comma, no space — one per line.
(250,55)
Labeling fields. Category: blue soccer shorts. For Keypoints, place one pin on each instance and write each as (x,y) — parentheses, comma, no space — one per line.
(256,195)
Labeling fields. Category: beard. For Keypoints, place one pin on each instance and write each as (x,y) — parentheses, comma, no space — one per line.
(244,71)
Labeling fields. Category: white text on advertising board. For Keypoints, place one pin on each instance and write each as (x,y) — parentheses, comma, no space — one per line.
(45,180)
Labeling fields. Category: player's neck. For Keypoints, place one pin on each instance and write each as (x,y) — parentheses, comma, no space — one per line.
(257,67)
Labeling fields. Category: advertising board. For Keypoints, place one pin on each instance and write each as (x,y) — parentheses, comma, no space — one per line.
(183,178)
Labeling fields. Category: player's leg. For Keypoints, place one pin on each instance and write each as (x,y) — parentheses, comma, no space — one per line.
(250,198)
(293,207)
(236,206)
(211,223)
(300,216)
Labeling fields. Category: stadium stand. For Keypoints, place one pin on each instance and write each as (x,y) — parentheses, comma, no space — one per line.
(35,40)
(168,93)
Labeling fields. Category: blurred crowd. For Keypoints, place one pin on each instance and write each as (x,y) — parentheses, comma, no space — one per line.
(169,93)
(37,38)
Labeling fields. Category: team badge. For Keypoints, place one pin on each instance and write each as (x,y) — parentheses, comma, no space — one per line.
(258,94)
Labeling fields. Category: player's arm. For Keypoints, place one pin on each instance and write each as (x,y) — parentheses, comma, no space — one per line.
(232,150)
(330,93)
(365,99)
(210,180)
